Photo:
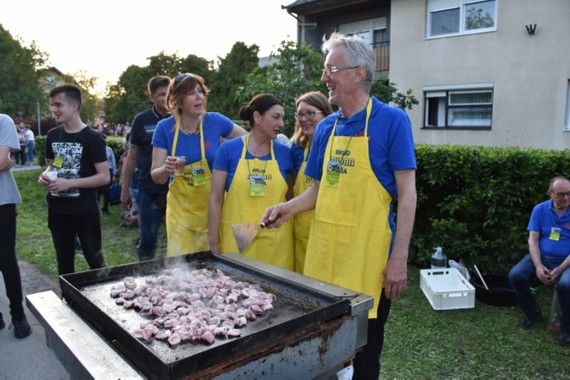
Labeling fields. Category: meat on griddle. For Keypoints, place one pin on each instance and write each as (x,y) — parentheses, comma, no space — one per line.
(191,306)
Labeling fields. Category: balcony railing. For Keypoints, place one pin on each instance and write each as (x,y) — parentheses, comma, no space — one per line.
(382,56)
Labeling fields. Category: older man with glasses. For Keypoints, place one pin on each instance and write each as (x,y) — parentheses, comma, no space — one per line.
(548,258)
(361,159)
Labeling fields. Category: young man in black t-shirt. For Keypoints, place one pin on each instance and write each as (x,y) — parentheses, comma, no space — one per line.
(151,198)
(76,167)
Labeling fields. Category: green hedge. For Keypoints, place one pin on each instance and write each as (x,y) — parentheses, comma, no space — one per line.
(41,149)
(475,202)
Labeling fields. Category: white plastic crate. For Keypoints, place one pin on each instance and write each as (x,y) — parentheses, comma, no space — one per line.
(447,289)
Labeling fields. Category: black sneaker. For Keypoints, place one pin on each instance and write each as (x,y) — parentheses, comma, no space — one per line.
(22,328)
(2,324)
(527,323)
(564,339)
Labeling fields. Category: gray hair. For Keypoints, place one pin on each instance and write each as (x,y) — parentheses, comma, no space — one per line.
(360,53)
(552,181)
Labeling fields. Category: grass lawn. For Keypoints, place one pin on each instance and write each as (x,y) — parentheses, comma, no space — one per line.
(420,343)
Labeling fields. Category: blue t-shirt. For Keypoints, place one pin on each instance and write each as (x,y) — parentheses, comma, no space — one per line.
(391,144)
(215,125)
(229,155)
(543,220)
(298,153)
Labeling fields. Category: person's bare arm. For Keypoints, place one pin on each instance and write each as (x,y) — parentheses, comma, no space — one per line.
(5,160)
(236,131)
(100,178)
(396,274)
(217,191)
(163,166)
(542,272)
(276,215)
(127,174)
(556,272)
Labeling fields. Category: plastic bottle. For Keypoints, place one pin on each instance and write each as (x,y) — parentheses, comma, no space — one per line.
(438,259)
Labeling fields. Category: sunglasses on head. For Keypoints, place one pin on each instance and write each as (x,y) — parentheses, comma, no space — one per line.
(180,77)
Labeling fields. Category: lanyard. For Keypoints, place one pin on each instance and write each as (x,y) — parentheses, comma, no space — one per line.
(247,161)
(368,112)
(177,132)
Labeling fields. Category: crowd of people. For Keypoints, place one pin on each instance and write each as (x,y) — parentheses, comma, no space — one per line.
(120,129)
(26,152)
(326,196)
(201,174)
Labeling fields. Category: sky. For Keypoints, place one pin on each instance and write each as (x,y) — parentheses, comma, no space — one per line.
(103,37)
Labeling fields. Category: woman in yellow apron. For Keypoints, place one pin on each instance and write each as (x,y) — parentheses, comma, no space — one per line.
(251,174)
(184,148)
(311,108)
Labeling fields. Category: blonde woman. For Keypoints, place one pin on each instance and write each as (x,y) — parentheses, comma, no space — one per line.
(311,108)
(184,148)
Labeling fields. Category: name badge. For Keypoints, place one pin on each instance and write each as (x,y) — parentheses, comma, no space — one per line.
(198,176)
(333,173)
(58,162)
(256,186)
(554,234)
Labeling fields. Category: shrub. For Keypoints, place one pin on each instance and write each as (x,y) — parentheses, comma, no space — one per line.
(475,202)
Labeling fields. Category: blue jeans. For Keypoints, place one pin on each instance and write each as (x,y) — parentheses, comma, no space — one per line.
(152,208)
(520,277)
(31,152)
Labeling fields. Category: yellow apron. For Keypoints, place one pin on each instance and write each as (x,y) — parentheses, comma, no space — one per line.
(350,235)
(274,246)
(302,221)
(187,203)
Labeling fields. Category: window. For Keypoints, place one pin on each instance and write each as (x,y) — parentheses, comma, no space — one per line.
(458,108)
(455,17)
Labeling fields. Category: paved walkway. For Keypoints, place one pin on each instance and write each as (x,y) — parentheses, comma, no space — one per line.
(28,358)
(18,168)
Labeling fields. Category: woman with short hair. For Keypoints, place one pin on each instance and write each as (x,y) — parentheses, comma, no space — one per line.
(184,147)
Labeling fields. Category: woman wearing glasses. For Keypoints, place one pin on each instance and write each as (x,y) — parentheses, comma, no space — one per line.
(311,108)
(184,148)
(250,174)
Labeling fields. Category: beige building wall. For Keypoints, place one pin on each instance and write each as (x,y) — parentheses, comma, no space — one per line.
(530,74)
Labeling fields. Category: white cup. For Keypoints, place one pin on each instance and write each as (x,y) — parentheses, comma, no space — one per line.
(51,175)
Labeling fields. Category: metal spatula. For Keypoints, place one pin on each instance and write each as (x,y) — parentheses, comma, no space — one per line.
(245,233)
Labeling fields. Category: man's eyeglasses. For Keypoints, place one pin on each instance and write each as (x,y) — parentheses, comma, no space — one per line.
(309,115)
(330,69)
(560,195)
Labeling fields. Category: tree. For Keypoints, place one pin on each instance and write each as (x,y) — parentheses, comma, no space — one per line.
(196,65)
(20,88)
(129,95)
(90,106)
(386,91)
(298,70)
(231,74)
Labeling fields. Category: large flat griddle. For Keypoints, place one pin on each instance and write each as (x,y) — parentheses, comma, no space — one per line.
(297,307)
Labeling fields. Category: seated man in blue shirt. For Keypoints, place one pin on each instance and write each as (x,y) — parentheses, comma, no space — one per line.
(549,256)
